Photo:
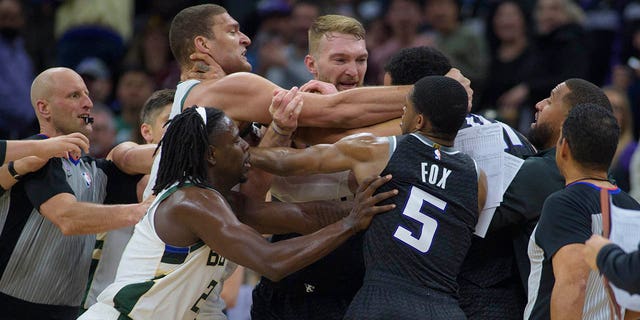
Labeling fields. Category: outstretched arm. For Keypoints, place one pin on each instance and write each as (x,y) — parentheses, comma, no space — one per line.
(244,245)
(350,153)
(132,158)
(282,217)
(381,129)
(62,146)
(73,217)
(246,97)
(314,136)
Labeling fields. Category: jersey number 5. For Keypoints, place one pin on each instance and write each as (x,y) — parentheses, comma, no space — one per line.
(429,225)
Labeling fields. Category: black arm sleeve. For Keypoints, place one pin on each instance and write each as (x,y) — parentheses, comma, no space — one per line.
(522,201)
(564,220)
(622,269)
(3,151)
(47,182)
(121,187)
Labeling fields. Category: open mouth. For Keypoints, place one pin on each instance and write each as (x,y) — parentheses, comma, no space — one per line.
(348,85)
(87,118)
(535,120)
(247,162)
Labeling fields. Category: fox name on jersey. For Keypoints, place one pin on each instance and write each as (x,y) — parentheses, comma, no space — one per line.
(433,174)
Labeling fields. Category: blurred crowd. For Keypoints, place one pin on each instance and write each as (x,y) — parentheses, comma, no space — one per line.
(514,52)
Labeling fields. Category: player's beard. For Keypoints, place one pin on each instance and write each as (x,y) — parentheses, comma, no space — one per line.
(540,136)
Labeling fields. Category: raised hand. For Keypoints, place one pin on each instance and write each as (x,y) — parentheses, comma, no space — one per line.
(285,108)
(364,207)
(203,68)
(455,74)
(70,145)
(591,249)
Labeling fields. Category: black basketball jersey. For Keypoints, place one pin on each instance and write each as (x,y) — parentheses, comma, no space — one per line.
(426,237)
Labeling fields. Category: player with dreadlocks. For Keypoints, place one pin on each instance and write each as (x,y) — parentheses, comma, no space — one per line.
(190,235)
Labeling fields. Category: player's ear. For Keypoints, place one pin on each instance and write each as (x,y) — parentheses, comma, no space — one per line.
(419,122)
(211,157)
(43,108)
(147,132)
(563,150)
(201,44)
(310,62)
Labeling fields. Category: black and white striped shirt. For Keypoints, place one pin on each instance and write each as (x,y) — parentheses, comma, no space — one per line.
(39,264)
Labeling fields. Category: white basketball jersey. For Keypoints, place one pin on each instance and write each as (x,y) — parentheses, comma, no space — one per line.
(182,90)
(159,281)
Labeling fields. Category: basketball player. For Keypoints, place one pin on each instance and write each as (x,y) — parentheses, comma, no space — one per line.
(190,236)
(413,254)
(323,290)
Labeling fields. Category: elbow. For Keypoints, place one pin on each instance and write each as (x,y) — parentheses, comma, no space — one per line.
(275,277)
(274,272)
(64,223)
(66,227)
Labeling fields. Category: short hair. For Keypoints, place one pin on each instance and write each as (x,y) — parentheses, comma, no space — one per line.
(189,23)
(153,106)
(411,64)
(591,132)
(583,91)
(443,101)
(329,23)
(184,148)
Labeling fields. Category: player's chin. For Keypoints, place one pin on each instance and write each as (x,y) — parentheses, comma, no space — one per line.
(246,66)
(85,129)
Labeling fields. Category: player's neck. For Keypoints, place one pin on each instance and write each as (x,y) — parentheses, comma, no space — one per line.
(595,177)
(439,139)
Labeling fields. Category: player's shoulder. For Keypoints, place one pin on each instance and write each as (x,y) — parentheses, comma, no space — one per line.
(194,199)
(362,139)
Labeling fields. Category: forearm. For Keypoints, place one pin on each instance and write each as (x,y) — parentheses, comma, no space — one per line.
(16,149)
(571,274)
(353,108)
(22,167)
(320,214)
(132,158)
(276,160)
(622,269)
(282,258)
(89,218)
(567,300)
(231,287)
(259,181)
(315,136)
(302,218)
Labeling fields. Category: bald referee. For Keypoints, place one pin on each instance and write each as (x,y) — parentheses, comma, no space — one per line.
(48,218)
